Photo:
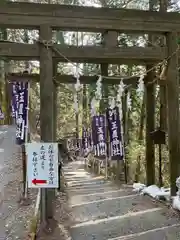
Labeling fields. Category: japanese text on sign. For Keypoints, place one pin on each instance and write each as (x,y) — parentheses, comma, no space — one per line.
(42,165)
(114,127)
(99,135)
(22,108)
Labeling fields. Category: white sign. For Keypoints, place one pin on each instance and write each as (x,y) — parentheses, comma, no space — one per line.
(42,165)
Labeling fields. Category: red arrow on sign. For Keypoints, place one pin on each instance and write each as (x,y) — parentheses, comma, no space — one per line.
(36,181)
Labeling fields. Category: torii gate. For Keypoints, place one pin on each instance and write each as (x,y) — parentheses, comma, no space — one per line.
(48,17)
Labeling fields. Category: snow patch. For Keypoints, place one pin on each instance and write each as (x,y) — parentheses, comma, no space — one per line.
(153,191)
(176,203)
(138,187)
(176,200)
(159,193)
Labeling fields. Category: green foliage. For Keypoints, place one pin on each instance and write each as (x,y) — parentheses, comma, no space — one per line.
(136,161)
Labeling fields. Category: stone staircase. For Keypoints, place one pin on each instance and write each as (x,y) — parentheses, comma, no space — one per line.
(104,211)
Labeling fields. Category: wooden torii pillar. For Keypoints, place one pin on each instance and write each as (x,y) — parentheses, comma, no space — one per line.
(150,122)
(46,111)
(55,94)
(109,39)
(150,115)
(172,89)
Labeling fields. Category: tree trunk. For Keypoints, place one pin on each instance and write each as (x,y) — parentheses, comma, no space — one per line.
(140,139)
(7,101)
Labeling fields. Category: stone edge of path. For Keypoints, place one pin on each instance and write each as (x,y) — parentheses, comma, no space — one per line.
(167,204)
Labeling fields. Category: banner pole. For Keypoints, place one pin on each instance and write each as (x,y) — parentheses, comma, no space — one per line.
(123,142)
(26,137)
(106,137)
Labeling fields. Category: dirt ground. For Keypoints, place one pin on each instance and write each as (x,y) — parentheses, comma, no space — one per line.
(14,215)
(62,221)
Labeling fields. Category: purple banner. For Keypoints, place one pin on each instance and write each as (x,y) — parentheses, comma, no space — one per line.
(114,127)
(14,102)
(22,110)
(90,138)
(99,135)
(86,141)
(1,114)
(77,143)
(13,110)
(94,135)
(85,136)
